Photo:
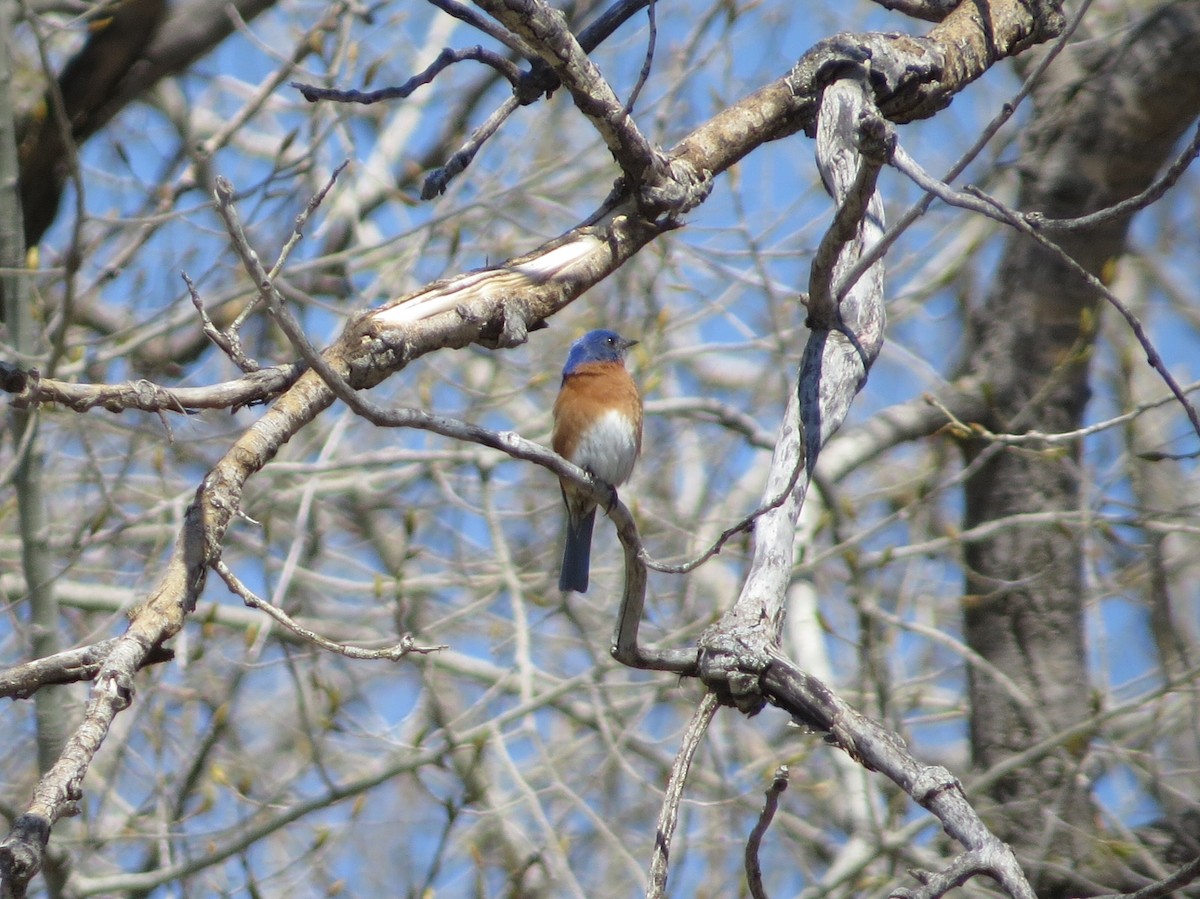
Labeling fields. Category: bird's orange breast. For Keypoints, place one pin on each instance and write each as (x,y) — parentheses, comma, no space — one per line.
(589,394)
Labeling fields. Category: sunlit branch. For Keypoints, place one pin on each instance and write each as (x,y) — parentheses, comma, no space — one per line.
(253,389)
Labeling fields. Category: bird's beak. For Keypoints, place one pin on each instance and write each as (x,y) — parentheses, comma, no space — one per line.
(626,343)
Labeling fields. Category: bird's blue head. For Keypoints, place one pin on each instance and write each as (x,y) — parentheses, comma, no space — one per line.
(597,346)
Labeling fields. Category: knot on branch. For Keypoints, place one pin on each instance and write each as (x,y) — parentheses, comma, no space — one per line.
(21,853)
(1048,23)
(904,73)
(673,188)
(733,672)
(876,138)
(120,688)
(14,379)
(508,329)
(662,191)
(539,81)
(931,782)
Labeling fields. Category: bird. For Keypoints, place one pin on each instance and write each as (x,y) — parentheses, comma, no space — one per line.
(597,426)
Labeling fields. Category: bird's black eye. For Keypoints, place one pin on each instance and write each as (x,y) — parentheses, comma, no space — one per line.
(612,341)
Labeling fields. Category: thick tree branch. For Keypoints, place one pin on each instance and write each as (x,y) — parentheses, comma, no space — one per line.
(933,788)
(67,667)
(842,345)
(253,389)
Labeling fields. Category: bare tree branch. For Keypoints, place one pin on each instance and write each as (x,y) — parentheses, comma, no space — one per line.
(933,788)
(668,816)
(407,644)
(929,10)
(545,30)
(67,667)
(753,866)
(1185,875)
(253,389)
(444,60)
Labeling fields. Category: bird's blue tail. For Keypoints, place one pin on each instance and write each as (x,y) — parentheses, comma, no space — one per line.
(577,553)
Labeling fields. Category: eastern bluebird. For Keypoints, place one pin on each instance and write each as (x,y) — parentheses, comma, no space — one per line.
(597,426)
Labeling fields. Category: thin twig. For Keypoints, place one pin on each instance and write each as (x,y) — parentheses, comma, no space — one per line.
(737,527)
(976,200)
(21,449)
(266,91)
(753,868)
(647,62)
(228,343)
(444,60)
(1165,887)
(1152,355)
(302,218)
(297,234)
(668,815)
(438,179)
(1129,206)
(394,653)
(975,431)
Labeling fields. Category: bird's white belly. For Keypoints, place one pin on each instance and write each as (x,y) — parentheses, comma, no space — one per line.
(608,449)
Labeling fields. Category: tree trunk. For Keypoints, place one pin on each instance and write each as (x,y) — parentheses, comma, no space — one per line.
(1105,120)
